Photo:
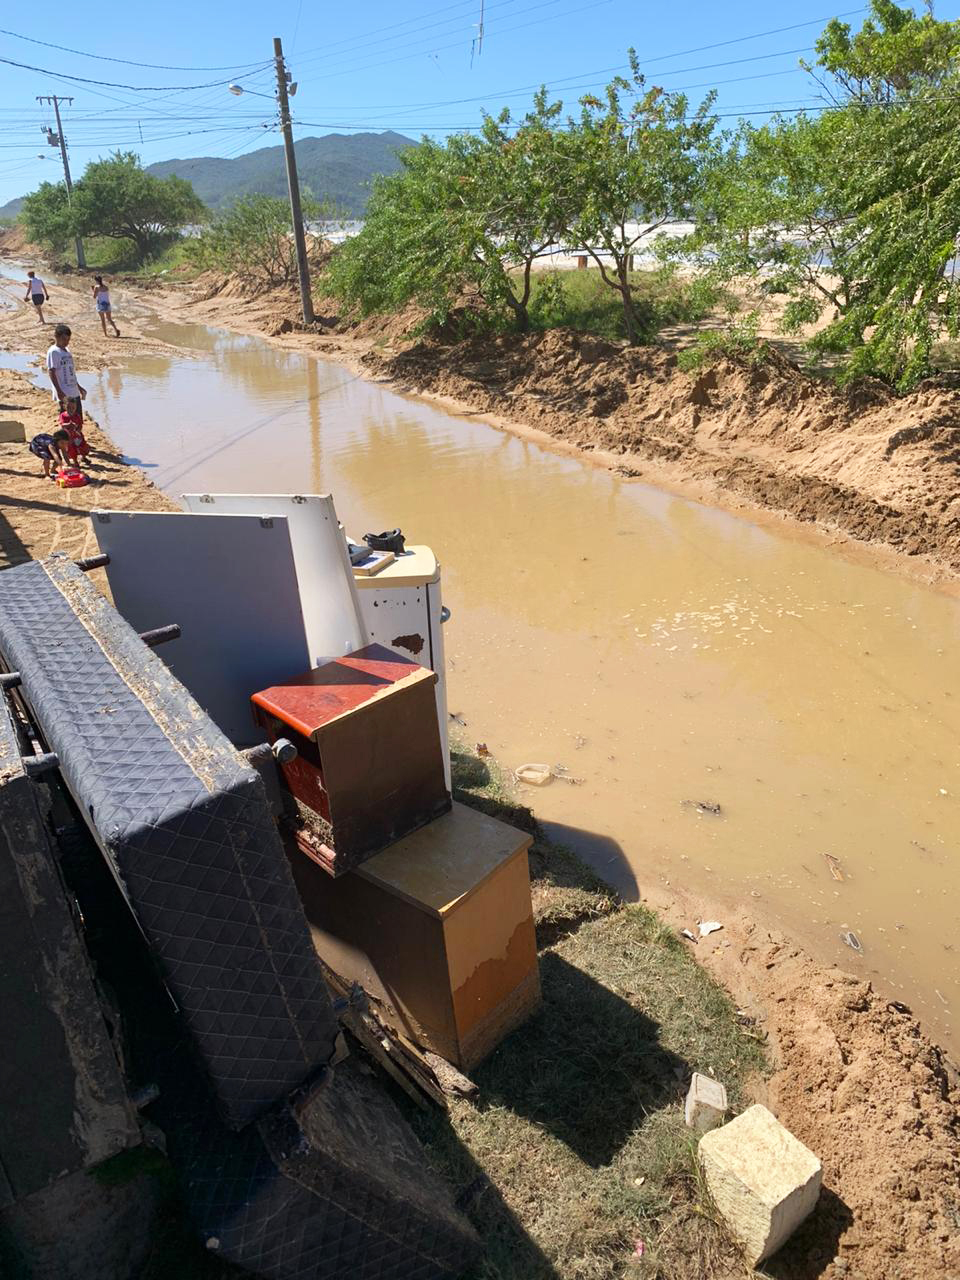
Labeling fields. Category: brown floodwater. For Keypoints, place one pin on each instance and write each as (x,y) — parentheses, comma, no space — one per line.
(668,654)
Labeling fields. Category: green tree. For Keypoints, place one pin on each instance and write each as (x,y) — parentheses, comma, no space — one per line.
(117,199)
(774,209)
(254,239)
(853,216)
(635,164)
(894,52)
(463,220)
(46,217)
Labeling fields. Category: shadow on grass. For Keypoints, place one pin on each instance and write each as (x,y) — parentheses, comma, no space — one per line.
(588,1067)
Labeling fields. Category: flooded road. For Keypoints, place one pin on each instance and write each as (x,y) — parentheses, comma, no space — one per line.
(674,657)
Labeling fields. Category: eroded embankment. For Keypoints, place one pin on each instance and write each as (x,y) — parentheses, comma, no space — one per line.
(881,468)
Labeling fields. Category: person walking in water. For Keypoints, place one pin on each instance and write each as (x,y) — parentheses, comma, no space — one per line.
(36,293)
(101,296)
(62,373)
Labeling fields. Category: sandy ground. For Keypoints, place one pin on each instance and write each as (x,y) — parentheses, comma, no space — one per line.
(853,1075)
(36,516)
(857,1081)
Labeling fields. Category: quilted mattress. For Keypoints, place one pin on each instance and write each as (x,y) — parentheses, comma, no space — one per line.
(186,828)
(63,1104)
(334,1187)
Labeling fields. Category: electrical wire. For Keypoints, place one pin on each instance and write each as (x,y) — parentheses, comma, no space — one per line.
(109,84)
(102,57)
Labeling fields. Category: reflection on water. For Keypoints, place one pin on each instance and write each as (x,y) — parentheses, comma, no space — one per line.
(662,651)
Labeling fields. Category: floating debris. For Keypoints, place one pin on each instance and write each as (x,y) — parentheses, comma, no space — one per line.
(560,771)
(483,750)
(534,775)
(457,718)
(852,941)
(836,870)
(702,806)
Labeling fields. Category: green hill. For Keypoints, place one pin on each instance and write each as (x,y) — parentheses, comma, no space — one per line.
(334,168)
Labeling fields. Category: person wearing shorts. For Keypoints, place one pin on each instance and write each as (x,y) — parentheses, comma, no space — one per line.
(49,449)
(61,371)
(101,296)
(36,293)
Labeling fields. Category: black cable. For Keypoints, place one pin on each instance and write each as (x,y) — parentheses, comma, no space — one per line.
(151,66)
(109,84)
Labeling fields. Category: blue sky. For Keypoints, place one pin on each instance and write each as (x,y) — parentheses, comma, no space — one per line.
(415,67)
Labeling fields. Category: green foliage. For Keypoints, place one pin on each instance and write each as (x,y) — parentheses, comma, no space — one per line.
(253,239)
(462,222)
(738,342)
(46,217)
(581,300)
(852,218)
(635,161)
(117,200)
(465,220)
(893,52)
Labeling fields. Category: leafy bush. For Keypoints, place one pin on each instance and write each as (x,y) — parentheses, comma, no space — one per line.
(739,342)
(253,239)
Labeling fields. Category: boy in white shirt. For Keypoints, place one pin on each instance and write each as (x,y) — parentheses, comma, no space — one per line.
(61,371)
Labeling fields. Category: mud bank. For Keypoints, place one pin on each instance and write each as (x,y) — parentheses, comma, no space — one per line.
(879,468)
(38,518)
(857,1081)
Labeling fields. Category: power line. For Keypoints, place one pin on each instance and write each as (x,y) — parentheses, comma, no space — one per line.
(332,51)
(363,37)
(101,57)
(109,84)
(463,44)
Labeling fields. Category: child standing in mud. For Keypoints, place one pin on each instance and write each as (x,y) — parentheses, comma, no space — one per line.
(71,422)
(36,293)
(101,296)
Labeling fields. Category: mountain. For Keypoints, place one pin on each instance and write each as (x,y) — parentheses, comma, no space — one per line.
(11,208)
(334,168)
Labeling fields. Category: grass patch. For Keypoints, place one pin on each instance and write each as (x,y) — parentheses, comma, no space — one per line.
(580,300)
(738,342)
(576,1148)
(119,257)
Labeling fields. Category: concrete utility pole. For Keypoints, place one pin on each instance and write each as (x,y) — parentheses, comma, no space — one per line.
(81,259)
(293,184)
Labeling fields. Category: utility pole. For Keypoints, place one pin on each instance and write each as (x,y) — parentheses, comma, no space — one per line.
(81,260)
(293,184)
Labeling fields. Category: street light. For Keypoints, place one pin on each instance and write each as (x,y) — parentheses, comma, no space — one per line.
(238,89)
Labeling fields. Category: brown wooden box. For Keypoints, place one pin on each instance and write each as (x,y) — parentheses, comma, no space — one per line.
(438,929)
(369,767)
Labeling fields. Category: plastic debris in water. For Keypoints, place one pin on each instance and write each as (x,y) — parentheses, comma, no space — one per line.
(835,869)
(852,941)
(535,775)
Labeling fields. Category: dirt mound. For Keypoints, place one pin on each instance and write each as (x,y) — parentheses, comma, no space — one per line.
(876,466)
(855,1079)
(13,241)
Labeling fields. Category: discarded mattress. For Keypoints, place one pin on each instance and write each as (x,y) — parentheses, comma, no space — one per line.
(63,1104)
(335,1187)
(186,827)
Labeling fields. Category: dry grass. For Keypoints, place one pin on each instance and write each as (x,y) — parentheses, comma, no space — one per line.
(576,1149)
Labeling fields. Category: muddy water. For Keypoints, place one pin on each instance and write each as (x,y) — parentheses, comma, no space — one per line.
(671,656)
